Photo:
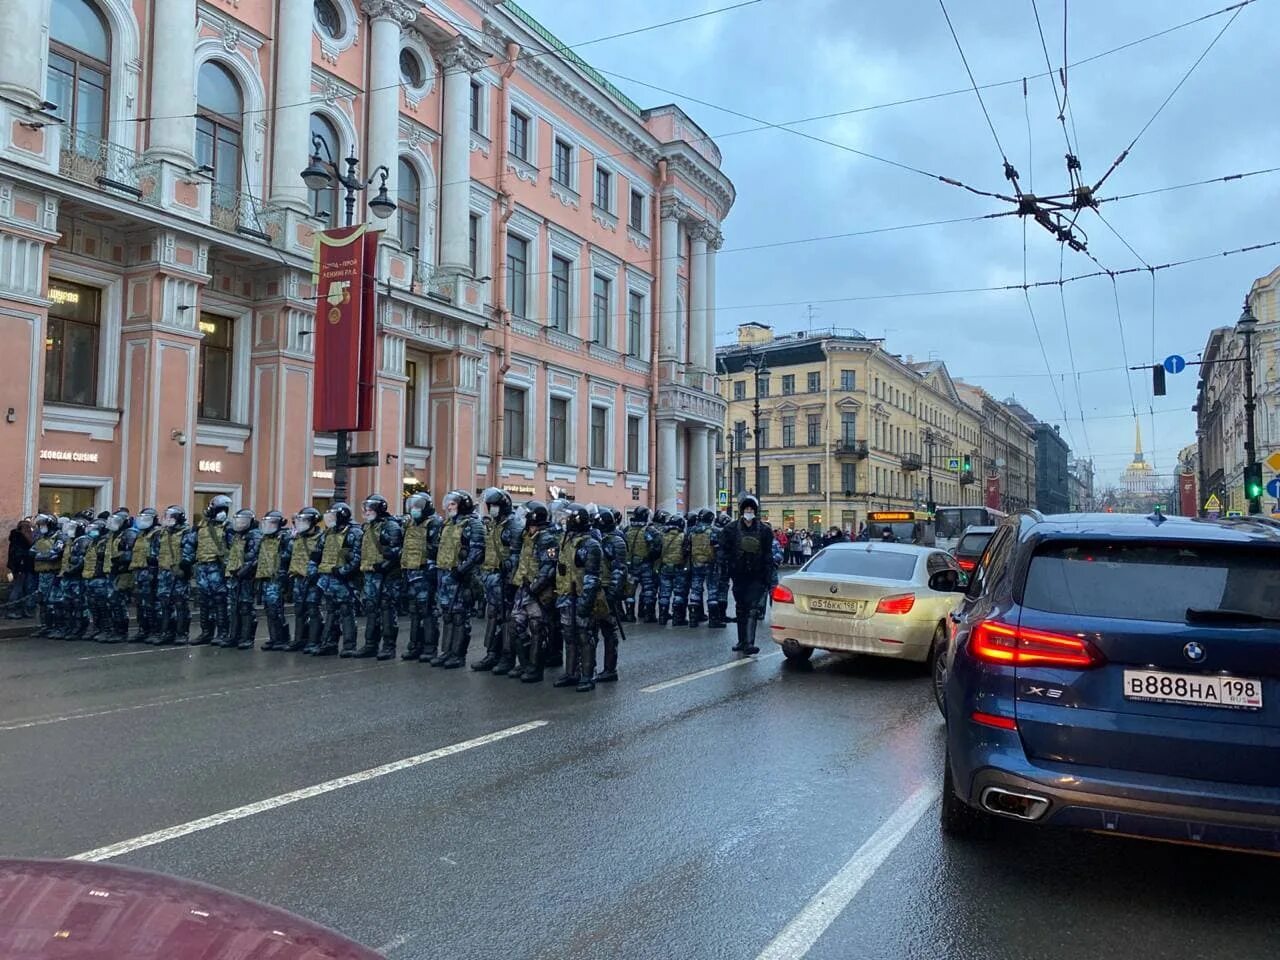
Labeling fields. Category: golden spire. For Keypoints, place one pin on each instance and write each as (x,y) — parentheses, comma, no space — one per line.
(1137,440)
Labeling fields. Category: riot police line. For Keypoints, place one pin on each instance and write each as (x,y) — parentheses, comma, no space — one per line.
(551,581)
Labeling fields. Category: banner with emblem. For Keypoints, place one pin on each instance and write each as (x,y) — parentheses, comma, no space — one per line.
(345,343)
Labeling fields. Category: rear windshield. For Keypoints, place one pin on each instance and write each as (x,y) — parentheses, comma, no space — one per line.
(861,562)
(1152,581)
(949,523)
(972,545)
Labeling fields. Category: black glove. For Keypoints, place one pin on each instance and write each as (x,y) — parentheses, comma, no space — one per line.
(382,566)
(246,573)
(184,567)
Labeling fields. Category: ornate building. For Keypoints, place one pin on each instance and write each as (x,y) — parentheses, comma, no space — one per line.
(546,283)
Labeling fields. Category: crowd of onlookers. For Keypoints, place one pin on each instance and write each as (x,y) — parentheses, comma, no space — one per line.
(799,545)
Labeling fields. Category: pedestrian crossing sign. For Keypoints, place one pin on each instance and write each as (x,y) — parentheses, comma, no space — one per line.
(1213,504)
(723,498)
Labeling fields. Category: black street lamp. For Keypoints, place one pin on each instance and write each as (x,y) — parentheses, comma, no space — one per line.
(1246,325)
(320,175)
(729,472)
(930,441)
(760,368)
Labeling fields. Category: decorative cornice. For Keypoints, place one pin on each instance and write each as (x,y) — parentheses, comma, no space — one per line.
(673,209)
(460,54)
(397,10)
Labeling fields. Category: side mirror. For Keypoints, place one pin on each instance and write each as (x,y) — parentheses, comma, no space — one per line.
(945,581)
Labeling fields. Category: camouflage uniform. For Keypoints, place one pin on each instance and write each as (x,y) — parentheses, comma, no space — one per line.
(46,555)
(644,548)
(458,558)
(242,567)
(175,558)
(418,564)
(380,545)
(501,551)
(306,595)
(702,557)
(578,588)
(275,551)
(337,558)
(210,580)
(533,579)
(97,587)
(118,557)
(143,567)
(613,569)
(718,576)
(673,574)
(73,605)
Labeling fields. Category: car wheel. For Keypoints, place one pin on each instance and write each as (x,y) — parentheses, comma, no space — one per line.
(796,653)
(938,668)
(958,819)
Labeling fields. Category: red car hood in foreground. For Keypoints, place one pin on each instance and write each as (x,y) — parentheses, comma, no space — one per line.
(65,910)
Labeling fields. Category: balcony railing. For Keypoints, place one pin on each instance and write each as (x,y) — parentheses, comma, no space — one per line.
(967,477)
(99,163)
(237,211)
(912,461)
(852,448)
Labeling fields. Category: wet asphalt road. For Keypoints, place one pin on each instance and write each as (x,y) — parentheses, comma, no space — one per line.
(698,819)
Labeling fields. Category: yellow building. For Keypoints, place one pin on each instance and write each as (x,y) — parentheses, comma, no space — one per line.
(845,427)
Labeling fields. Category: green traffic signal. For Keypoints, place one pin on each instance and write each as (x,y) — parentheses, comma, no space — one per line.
(1253,481)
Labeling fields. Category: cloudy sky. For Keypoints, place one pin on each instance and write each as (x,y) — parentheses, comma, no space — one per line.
(783,60)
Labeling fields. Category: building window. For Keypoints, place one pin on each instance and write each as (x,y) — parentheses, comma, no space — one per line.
(411,403)
(762,436)
(410,68)
(473,243)
(740,479)
(815,478)
(562,163)
(519,139)
(740,434)
(762,386)
(636,215)
(477,106)
(558,439)
(848,427)
(328,18)
(408,198)
(635,323)
(599,436)
(633,444)
(560,268)
(513,413)
(218,114)
(517,275)
(604,189)
(739,389)
(600,290)
(762,480)
(848,478)
(788,431)
(214,401)
(788,478)
(814,382)
(71,344)
(813,427)
(788,384)
(324,203)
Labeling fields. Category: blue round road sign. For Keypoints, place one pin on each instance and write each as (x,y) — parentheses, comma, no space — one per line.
(1273,487)
(1174,363)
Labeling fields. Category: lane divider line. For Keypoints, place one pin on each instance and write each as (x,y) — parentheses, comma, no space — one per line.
(131,653)
(690,677)
(63,718)
(828,903)
(305,793)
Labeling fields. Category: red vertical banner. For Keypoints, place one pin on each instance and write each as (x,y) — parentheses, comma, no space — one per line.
(993,492)
(1187,505)
(345,334)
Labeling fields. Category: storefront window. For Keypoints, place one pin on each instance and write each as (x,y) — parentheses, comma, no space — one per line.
(71,344)
(63,501)
(215,368)
(815,519)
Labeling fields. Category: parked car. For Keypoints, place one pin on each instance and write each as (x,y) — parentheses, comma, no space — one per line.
(1119,674)
(884,599)
(970,545)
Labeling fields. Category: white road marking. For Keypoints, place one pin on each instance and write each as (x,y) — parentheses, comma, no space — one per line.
(63,718)
(396,942)
(305,793)
(687,678)
(131,653)
(829,902)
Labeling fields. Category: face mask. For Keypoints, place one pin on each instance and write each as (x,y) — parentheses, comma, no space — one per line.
(748,515)
(416,513)
(370,516)
(495,512)
(220,516)
(144,523)
(302,524)
(331,519)
(270,526)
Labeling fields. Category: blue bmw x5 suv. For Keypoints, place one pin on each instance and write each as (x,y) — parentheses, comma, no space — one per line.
(1120,674)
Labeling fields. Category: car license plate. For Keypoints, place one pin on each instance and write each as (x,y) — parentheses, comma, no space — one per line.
(835,604)
(1239,693)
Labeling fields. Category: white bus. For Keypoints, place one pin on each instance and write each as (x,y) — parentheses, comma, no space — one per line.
(950,522)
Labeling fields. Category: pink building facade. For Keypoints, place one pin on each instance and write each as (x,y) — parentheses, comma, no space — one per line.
(546,285)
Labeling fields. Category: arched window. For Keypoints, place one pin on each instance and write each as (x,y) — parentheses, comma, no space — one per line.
(408,199)
(219,108)
(79,72)
(324,203)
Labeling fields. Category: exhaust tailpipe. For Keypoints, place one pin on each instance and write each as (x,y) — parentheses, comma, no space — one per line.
(1011,803)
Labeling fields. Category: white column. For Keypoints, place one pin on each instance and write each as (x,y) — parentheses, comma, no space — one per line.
(699,464)
(173,82)
(666,464)
(459,60)
(24,24)
(386,17)
(291,129)
(698,297)
(714,244)
(669,321)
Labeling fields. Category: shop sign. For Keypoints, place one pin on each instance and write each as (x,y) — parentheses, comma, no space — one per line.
(321,474)
(63,295)
(524,489)
(209,466)
(74,456)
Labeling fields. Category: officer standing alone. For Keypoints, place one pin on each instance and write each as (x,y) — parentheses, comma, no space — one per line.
(748,552)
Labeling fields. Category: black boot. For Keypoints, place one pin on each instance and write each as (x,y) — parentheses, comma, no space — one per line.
(273,637)
(570,676)
(647,613)
(248,629)
(387,648)
(372,636)
(446,631)
(741,645)
(752,623)
(458,651)
(716,621)
(430,638)
(533,655)
(414,648)
(678,617)
(492,640)
(628,611)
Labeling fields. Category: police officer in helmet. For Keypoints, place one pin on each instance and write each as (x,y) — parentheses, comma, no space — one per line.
(380,547)
(501,552)
(748,556)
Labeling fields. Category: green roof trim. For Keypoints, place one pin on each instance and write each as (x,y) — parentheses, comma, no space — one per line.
(559,47)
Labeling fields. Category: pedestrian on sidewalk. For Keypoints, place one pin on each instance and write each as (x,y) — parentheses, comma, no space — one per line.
(22,571)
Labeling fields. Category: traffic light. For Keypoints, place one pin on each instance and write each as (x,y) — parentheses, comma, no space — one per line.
(967,466)
(1157,380)
(1253,481)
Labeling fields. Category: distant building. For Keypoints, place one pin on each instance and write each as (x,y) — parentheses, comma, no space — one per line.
(1052,456)
(1007,469)
(1080,495)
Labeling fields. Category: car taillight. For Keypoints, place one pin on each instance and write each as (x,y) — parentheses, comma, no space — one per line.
(783,594)
(967,565)
(899,604)
(997,642)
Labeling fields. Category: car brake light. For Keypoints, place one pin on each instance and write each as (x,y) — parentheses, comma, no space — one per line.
(899,604)
(994,720)
(783,594)
(966,565)
(997,642)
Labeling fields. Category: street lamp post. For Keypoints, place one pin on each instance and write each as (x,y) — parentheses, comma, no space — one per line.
(1246,325)
(319,175)
(729,472)
(760,368)
(930,441)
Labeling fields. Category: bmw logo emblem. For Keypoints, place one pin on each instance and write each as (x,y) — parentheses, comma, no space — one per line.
(834,588)
(1194,652)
